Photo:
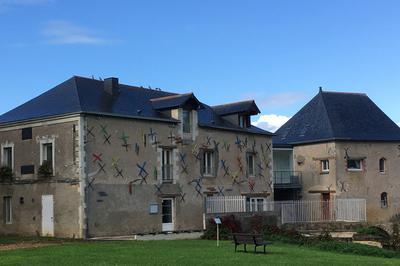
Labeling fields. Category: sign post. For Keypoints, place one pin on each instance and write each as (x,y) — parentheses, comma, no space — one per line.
(217,221)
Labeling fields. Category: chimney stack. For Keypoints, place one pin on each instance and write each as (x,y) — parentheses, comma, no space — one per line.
(111,86)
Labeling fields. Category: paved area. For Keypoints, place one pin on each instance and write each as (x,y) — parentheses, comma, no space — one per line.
(167,236)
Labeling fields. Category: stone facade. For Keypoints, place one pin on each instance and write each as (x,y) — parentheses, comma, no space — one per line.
(369,183)
(98,186)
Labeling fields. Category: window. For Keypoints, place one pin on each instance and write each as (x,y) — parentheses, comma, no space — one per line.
(7,157)
(325,166)
(27,169)
(26,133)
(250,164)
(384,200)
(186,121)
(256,204)
(244,121)
(354,165)
(167,167)
(47,154)
(382,164)
(208,166)
(7,210)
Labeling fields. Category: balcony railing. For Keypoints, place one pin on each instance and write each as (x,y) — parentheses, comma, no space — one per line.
(167,173)
(287,179)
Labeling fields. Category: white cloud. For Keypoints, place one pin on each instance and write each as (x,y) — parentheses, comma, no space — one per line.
(63,32)
(271,122)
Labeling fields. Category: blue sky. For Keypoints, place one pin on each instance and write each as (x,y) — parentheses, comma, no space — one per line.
(277,52)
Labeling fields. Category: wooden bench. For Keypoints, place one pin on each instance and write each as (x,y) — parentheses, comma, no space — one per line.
(249,239)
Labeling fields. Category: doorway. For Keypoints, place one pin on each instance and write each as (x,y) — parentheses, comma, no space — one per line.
(167,212)
(47,215)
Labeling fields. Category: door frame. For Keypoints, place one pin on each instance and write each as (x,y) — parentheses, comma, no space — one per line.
(172,214)
(49,232)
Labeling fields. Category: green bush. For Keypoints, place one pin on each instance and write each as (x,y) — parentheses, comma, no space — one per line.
(371,230)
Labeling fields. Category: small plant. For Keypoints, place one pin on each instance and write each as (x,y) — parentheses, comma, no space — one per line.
(45,170)
(370,230)
(6,173)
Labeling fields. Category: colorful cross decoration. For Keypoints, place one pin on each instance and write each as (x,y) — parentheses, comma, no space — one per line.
(226,145)
(252,184)
(115,161)
(261,169)
(97,157)
(101,167)
(119,172)
(182,157)
(216,145)
(137,149)
(245,142)
(238,143)
(220,191)
(197,185)
(342,186)
(269,183)
(239,160)
(158,189)
(208,141)
(89,131)
(142,171)
(124,139)
(152,134)
(107,139)
(171,137)
(225,167)
(268,145)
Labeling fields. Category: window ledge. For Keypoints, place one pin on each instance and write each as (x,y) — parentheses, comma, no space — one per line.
(208,176)
(324,173)
(354,170)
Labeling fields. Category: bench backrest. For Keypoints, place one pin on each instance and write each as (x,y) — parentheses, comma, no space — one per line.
(247,238)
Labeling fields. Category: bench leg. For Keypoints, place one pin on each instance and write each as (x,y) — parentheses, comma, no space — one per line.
(264,249)
(255,248)
(236,247)
(245,250)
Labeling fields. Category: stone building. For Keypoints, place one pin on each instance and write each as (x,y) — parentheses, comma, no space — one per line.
(340,145)
(99,158)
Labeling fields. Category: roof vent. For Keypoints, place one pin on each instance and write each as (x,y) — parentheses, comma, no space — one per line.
(111,86)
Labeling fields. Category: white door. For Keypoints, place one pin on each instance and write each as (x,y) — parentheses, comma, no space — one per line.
(167,211)
(47,215)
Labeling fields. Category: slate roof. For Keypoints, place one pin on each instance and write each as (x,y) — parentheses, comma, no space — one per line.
(248,107)
(337,116)
(85,95)
(174,101)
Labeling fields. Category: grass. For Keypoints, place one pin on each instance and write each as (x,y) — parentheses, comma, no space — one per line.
(177,252)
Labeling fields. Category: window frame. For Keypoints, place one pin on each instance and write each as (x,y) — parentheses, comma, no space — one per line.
(248,155)
(43,154)
(355,169)
(189,120)
(208,170)
(167,161)
(253,204)
(7,209)
(7,146)
(382,170)
(384,200)
(325,167)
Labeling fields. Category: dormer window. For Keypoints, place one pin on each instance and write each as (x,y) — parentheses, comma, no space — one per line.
(186,121)
(244,121)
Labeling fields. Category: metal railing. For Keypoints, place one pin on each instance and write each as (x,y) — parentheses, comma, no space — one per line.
(167,173)
(287,179)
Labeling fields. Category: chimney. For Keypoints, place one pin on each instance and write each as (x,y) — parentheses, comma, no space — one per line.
(111,86)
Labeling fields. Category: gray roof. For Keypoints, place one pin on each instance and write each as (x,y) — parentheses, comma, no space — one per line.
(337,116)
(85,95)
(245,107)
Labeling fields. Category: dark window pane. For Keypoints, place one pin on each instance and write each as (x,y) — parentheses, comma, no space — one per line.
(26,133)
(27,169)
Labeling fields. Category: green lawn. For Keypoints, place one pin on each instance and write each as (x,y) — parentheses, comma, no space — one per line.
(177,252)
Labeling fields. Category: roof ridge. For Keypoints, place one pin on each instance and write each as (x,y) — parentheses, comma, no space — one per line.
(327,114)
(171,96)
(77,92)
(224,104)
(343,92)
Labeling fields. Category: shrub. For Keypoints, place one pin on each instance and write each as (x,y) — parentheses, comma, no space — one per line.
(45,170)
(6,173)
(229,225)
(371,230)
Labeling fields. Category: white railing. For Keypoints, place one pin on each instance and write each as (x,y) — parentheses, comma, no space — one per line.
(348,210)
